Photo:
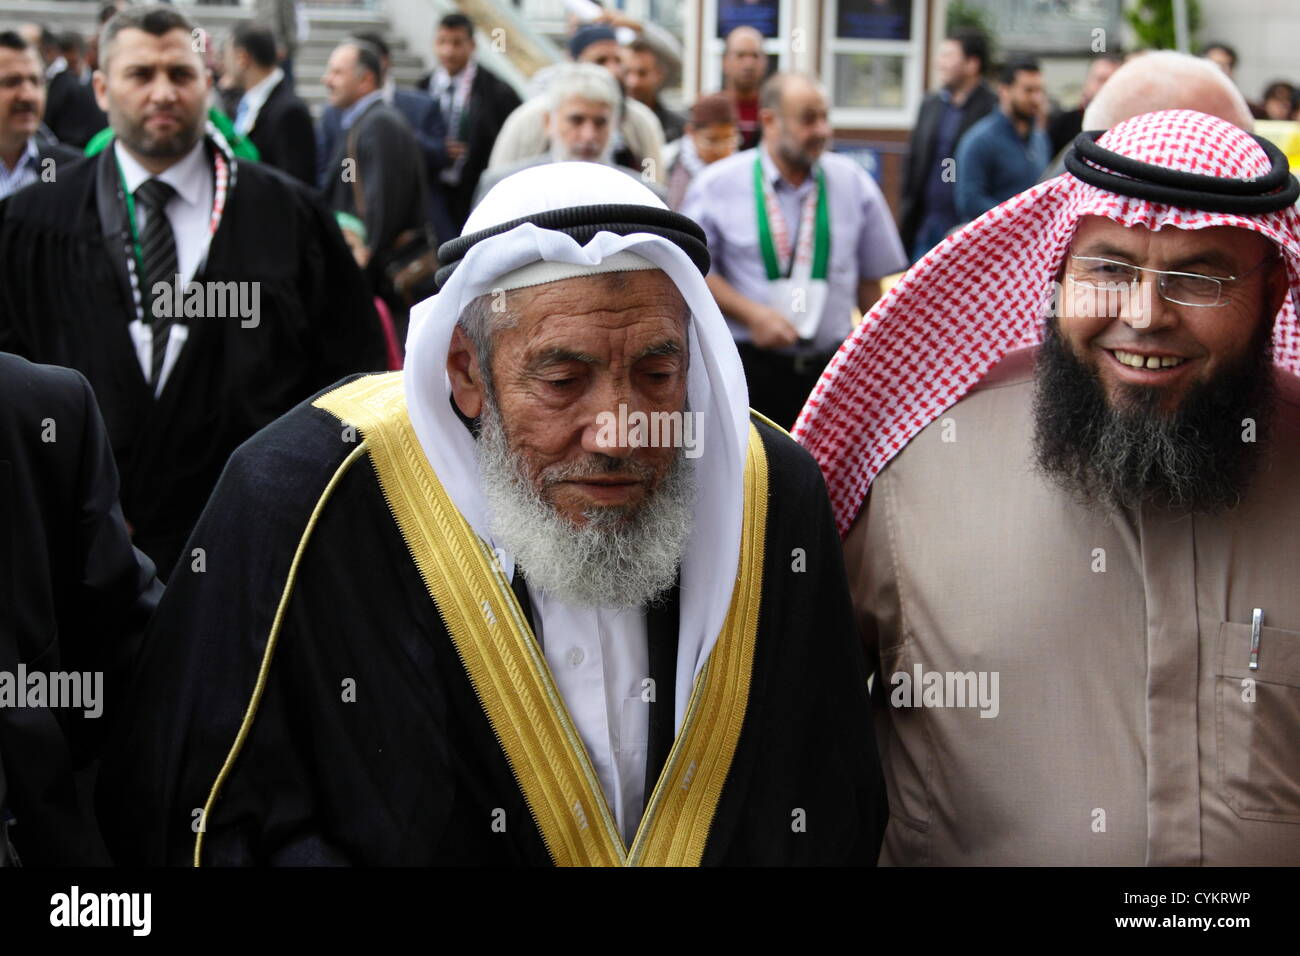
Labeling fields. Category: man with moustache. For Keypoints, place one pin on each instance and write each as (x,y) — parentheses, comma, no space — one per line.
(493,630)
(1065,450)
(24,155)
(92,267)
(800,237)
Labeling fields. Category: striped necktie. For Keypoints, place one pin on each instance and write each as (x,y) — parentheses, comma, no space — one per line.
(158,257)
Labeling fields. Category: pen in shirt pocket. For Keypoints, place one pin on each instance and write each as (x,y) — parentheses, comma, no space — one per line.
(1256,622)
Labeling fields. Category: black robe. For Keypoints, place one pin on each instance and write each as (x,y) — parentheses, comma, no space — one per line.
(410,771)
(65,299)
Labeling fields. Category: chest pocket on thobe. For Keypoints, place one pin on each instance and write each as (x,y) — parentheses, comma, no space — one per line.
(1257,714)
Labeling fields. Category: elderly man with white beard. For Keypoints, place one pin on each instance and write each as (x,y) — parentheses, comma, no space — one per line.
(476,612)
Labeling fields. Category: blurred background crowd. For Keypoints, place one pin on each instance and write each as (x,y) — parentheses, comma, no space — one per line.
(392,118)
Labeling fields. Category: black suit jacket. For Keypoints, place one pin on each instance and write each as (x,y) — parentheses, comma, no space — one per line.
(425,123)
(60,153)
(491,100)
(921,158)
(50,149)
(71,111)
(390,177)
(284,136)
(74,596)
(66,299)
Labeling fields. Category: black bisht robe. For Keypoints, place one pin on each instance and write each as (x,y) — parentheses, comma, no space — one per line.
(409,771)
(65,299)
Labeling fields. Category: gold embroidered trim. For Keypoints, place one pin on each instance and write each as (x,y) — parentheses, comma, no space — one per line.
(250,713)
(510,675)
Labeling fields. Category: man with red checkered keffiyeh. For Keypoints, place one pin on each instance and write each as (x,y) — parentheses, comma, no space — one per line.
(1064,452)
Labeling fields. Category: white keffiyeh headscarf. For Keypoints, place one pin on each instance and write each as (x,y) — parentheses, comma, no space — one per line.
(528,254)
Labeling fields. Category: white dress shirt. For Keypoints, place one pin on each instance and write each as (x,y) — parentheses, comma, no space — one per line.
(600,661)
(190,214)
(189,211)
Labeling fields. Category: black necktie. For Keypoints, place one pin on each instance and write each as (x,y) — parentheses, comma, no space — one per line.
(158,255)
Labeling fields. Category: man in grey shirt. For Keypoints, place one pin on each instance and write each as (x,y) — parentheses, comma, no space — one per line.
(799,237)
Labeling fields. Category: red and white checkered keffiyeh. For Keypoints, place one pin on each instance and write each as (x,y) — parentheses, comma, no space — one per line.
(981,294)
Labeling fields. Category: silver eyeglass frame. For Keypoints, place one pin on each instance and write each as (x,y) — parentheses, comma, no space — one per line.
(1162,273)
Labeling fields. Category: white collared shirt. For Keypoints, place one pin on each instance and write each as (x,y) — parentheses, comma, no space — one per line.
(189,211)
(255,98)
(600,661)
(442,87)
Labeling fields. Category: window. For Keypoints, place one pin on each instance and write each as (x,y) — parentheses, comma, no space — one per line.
(873,56)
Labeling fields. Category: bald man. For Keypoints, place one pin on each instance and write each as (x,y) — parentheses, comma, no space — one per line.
(1162,80)
(744,65)
(800,237)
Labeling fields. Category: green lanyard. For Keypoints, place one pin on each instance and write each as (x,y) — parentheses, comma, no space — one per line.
(821,232)
(130,219)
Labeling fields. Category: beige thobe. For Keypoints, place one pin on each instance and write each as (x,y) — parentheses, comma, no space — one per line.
(1129,728)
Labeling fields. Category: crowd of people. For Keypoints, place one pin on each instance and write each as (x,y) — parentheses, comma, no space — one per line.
(311,371)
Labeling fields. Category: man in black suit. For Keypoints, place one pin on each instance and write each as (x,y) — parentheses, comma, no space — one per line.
(269,112)
(26,156)
(928,204)
(377,168)
(70,107)
(423,119)
(75,597)
(474,103)
(243,299)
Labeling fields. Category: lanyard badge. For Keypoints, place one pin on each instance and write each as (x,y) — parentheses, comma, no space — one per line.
(796,276)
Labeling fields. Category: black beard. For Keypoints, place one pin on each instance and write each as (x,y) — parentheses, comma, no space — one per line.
(175,146)
(1194,459)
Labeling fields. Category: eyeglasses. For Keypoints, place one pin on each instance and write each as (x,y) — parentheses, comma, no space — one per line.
(722,142)
(1181,288)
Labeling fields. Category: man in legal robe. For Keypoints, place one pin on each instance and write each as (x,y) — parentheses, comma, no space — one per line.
(202,297)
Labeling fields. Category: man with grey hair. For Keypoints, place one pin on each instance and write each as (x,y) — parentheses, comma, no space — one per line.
(638,136)
(548,596)
(201,296)
(582,110)
(800,237)
(376,172)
